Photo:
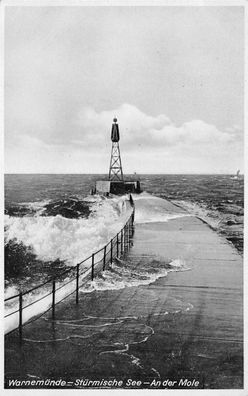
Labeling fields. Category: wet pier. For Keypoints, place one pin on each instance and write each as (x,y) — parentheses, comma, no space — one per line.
(181,330)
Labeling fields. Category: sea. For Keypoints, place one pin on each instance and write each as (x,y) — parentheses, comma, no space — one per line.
(52,222)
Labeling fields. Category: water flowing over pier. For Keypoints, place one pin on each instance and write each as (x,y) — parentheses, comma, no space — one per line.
(169,308)
(29,305)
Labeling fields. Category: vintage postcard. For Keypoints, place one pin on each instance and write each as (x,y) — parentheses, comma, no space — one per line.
(123,208)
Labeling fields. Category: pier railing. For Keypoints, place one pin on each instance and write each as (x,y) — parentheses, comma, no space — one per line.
(27,309)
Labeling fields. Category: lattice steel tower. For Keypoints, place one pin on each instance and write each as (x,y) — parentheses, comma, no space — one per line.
(115,169)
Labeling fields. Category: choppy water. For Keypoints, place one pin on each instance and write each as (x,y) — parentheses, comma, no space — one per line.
(217,199)
(51,221)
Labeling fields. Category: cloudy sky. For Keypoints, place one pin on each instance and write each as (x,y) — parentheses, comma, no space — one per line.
(173,76)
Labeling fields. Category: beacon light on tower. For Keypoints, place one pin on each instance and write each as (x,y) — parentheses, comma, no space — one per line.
(115,136)
(115,183)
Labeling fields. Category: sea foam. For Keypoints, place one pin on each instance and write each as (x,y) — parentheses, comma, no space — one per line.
(71,240)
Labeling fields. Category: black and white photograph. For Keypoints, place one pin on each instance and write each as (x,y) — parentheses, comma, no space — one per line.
(123,196)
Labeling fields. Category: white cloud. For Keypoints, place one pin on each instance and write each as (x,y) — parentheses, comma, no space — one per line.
(148,144)
(157,132)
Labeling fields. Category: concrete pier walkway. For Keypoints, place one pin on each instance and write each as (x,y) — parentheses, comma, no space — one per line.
(186,327)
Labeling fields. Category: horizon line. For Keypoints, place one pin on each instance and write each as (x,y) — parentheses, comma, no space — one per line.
(129,174)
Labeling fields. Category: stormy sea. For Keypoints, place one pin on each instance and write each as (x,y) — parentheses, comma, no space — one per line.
(52,222)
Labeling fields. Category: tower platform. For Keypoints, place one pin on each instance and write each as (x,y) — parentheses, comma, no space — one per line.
(117,187)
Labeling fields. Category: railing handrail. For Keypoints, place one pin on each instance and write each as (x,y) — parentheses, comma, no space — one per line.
(51,279)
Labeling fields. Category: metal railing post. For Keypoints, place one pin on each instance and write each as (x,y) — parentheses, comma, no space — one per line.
(117,245)
(111,251)
(133,222)
(126,227)
(104,258)
(92,266)
(77,283)
(122,241)
(53,299)
(20,315)
(124,238)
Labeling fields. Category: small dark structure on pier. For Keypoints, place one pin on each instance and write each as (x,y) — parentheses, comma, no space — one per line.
(116,183)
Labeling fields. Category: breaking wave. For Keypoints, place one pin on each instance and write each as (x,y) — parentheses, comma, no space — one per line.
(68,239)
